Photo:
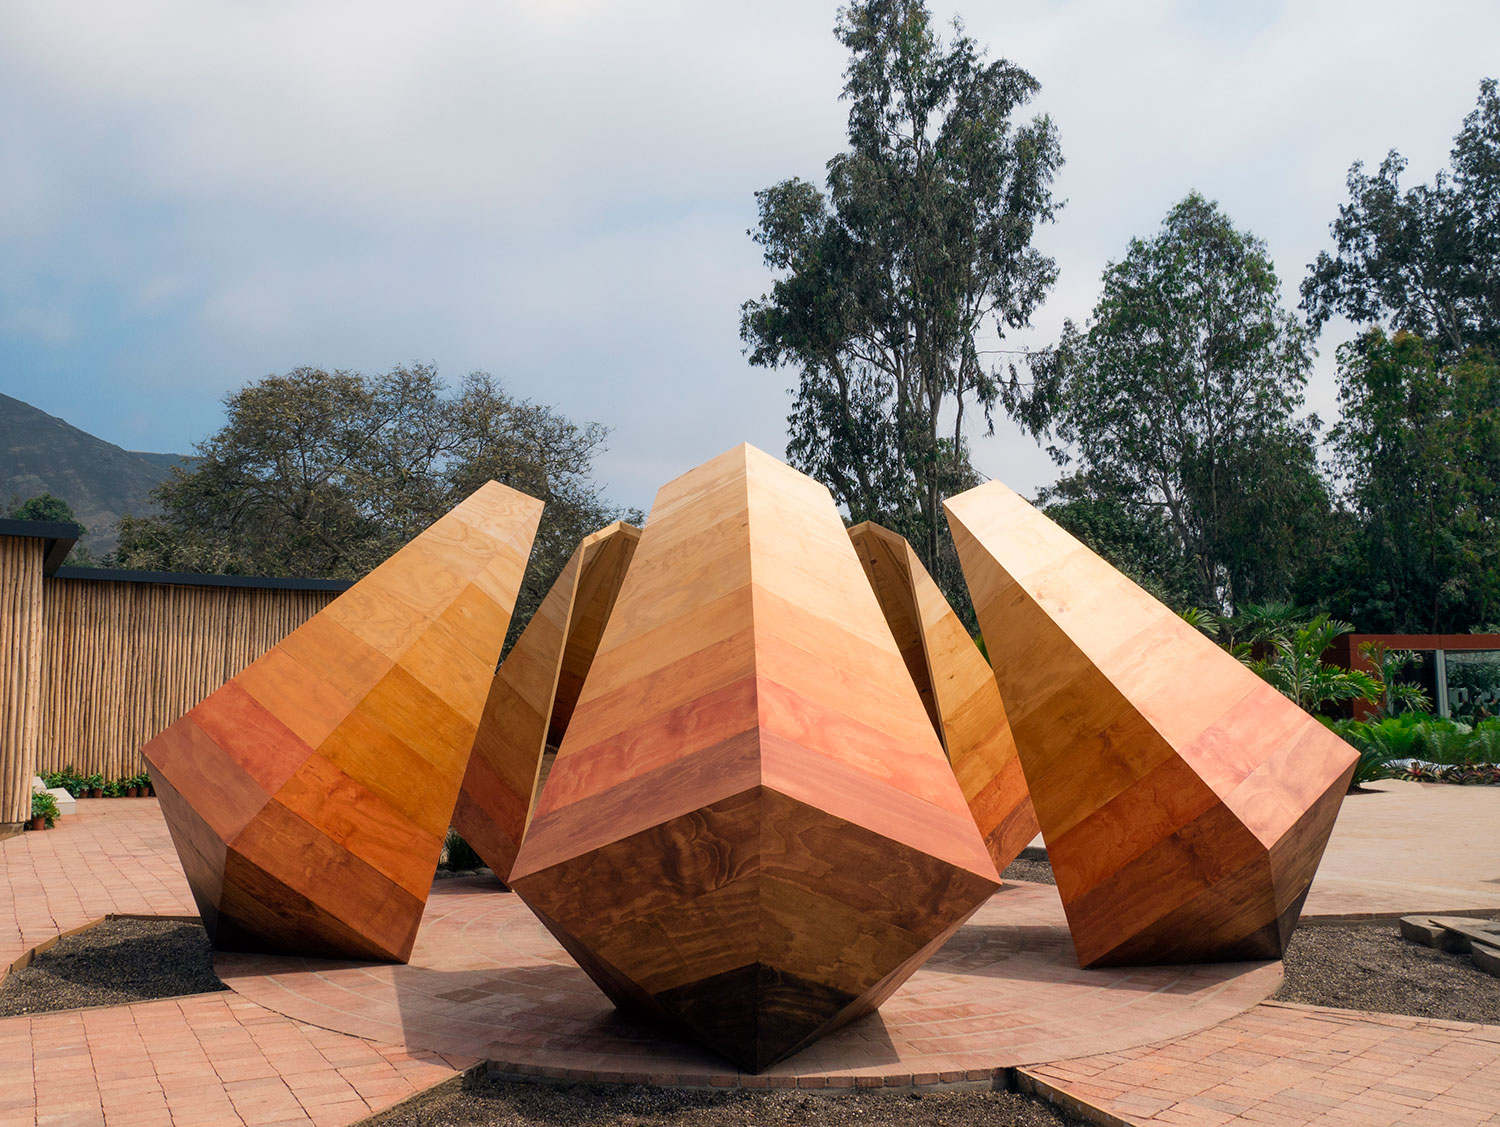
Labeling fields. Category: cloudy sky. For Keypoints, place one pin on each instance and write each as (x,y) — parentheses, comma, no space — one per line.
(194,194)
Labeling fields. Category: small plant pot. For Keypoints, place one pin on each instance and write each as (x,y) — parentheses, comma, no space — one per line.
(151,792)
(132,792)
(96,792)
(39,822)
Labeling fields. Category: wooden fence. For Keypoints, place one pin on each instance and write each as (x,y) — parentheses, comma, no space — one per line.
(97,662)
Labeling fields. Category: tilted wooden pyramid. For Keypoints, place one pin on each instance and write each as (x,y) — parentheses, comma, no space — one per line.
(957,687)
(750,829)
(534,694)
(309,797)
(1184,802)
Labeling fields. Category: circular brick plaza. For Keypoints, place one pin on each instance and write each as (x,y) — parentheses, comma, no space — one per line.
(487,981)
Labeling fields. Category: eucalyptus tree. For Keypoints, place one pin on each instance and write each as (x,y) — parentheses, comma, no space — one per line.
(1183,393)
(890,277)
(1426,259)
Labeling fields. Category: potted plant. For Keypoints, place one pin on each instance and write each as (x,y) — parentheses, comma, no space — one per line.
(132,786)
(113,789)
(96,786)
(147,788)
(43,811)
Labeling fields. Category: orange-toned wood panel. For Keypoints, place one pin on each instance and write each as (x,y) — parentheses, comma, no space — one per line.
(308,797)
(533,694)
(750,829)
(957,687)
(1184,802)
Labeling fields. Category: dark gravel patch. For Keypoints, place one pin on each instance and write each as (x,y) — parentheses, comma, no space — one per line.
(490,1102)
(116,962)
(1032,865)
(1371,967)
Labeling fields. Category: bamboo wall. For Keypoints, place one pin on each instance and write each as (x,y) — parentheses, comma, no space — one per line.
(21,560)
(122,660)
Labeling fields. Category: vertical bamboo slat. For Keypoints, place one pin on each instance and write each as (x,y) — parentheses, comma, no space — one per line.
(20,671)
(122,660)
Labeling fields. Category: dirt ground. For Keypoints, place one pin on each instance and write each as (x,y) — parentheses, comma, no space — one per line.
(1370,967)
(117,962)
(485,1102)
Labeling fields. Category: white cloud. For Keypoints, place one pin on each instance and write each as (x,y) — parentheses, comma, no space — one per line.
(198,193)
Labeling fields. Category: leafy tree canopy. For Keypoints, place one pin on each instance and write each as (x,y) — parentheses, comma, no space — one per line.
(921,241)
(1417,449)
(326,474)
(45,507)
(1427,259)
(1181,396)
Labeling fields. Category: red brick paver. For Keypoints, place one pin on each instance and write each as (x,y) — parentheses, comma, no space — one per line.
(113,856)
(487,980)
(1297,1066)
(206,1060)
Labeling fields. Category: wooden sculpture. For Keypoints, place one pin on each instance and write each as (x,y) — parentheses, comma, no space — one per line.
(534,693)
(957,687)
(308,797)
(750,829)
(1185,803)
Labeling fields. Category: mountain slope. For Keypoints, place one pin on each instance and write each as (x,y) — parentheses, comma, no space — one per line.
(40,453)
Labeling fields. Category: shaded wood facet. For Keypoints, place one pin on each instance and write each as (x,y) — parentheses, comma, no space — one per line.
(309,796)
(750,829)
(534,693)
(1184,802)
(957,687)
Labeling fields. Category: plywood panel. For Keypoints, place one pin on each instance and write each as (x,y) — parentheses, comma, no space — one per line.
(308,797)
(750,829)
(532,695)
(1184,802)
(958,688)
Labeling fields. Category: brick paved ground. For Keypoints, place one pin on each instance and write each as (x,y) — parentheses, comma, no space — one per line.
(487,980)
(1297,1066)
(200,1061)
(207,1060)
(114,855)
(1152,1046)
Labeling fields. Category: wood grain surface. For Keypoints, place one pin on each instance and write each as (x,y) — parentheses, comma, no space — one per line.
(957,687)
(1184,802)
(532,696)
(309,796)
(750,829)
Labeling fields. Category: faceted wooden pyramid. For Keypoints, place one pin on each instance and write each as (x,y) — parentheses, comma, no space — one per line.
(534,694)
(1185,803)
(309,797)
(750,830)
(955,683)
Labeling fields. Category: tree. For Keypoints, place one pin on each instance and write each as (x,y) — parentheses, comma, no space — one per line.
(1417,448)
(46,507)
(921,242)
(1182,395)
(1426,260)
(326,474)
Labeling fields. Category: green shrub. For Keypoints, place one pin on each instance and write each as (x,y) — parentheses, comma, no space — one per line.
(459,855)
(44,806)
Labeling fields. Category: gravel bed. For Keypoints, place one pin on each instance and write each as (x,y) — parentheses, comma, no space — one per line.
(490,1102)
(1032,865)
(116,962)
(1371,967)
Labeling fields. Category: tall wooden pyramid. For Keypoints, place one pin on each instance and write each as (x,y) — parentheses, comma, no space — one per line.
(534,694)
(750,830)
(1185,803)
(955,683)
(309,796)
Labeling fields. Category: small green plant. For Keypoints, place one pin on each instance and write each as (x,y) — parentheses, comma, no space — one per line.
(114,788)
(69,779)
(95,782)
(1395,695)
(458,854)
(44,806)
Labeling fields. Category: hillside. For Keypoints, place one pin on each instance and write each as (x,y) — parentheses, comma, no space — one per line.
(40,453)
